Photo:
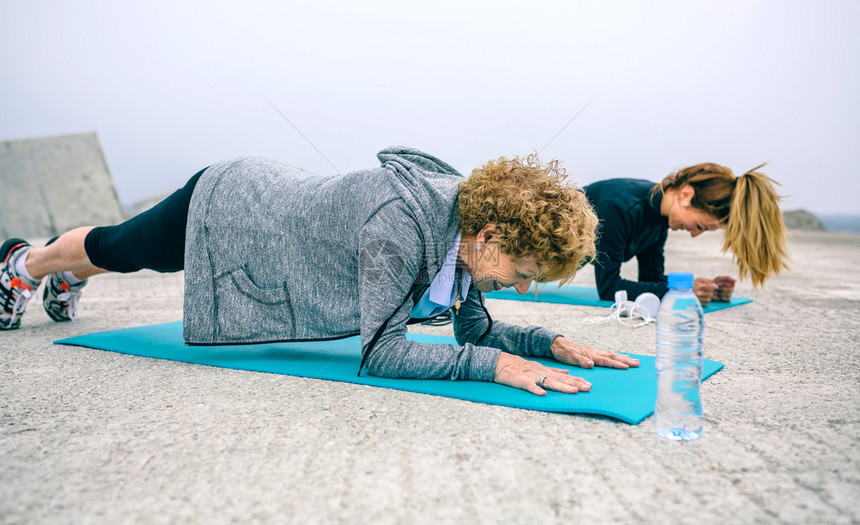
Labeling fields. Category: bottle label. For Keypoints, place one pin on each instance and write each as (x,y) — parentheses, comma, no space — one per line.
(685,303)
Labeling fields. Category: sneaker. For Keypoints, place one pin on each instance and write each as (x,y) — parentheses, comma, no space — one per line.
(14,292)
(60,299)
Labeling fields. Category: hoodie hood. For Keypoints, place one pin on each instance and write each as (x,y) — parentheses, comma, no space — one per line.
(429,187)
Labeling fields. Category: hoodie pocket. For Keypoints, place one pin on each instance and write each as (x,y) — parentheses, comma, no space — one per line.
(248,313)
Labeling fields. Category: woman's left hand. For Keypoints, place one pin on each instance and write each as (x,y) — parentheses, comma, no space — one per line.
(566,351)
(725,287)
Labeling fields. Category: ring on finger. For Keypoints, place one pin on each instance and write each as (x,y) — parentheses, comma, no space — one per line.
(540,381)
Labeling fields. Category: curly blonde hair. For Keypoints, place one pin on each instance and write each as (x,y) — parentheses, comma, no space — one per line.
(748,206)
(535,213)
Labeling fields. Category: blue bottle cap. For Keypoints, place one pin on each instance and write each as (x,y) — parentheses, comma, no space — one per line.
(681,280)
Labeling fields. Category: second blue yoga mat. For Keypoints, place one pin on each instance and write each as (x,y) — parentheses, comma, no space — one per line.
(627,395)
(586,296)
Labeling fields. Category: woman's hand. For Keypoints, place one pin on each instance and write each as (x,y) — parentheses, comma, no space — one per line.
(567,351)
(725,287)
(513,370)
(704,289)
(521,373)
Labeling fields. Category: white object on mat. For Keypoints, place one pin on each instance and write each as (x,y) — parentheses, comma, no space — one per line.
(634,314)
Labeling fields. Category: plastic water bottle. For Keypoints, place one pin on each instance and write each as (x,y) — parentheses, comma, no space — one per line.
(680,326)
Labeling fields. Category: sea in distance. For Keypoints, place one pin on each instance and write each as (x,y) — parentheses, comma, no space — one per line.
(840,223)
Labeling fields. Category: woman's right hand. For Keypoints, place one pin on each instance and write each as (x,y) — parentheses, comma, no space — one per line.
(513,370)
(704,289)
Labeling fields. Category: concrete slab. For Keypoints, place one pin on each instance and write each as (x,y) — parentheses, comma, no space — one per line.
(95,437)
(53,184)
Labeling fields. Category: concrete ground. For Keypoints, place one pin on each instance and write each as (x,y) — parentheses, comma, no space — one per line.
(95,437)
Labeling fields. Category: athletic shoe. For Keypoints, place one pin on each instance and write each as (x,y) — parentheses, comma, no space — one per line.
(14,292)
(60,299)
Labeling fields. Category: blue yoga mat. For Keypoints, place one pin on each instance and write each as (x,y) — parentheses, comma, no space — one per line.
(627,395)
(586,296)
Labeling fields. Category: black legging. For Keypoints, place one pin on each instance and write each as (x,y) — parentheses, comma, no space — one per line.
(154,239)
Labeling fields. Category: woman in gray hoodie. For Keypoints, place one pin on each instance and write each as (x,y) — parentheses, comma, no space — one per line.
(274,253)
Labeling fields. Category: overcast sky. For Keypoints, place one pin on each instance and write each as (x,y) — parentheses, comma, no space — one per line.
(171,87)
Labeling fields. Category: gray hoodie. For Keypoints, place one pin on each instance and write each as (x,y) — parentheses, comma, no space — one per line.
(275,253)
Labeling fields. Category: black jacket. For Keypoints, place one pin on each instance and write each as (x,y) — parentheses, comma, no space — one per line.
(630,225)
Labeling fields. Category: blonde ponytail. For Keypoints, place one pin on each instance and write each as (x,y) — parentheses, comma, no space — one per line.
(755,232)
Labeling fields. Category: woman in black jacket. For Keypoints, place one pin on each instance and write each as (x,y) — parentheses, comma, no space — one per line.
(636,215)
